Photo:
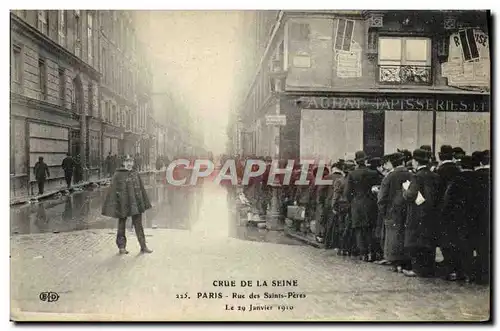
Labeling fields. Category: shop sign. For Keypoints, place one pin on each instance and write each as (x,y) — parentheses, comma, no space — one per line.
(437,103)
(277,120)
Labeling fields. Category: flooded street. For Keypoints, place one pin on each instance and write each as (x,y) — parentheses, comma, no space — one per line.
(202,209)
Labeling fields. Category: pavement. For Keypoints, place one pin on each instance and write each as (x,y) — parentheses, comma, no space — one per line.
(26,198)
(96,284)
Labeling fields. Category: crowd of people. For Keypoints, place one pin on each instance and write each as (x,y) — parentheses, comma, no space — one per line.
(395,210)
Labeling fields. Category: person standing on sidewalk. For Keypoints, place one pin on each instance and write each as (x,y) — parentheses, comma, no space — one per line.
(423,196)
(364,210)
(393,211)
(109,165)
(41,171)
(68,164)
(127,197)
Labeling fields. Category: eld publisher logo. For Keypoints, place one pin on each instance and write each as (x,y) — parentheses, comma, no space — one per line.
(49,296)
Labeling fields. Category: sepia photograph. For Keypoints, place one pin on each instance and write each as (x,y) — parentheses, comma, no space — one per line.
(250,165)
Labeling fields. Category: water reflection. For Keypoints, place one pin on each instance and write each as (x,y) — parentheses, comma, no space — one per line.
(203,209)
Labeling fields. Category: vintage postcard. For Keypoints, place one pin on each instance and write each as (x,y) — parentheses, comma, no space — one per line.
(250,165)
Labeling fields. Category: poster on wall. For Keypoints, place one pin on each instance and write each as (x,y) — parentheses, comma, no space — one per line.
(349,62)
(468,59)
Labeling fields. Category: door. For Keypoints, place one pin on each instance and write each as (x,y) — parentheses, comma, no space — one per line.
(373,133)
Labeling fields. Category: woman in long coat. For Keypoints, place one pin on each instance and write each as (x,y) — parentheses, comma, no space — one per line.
(127,197)
(392,210)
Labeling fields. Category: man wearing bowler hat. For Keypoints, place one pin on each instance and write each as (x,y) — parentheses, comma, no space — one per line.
(393,210)
(447,171)
(364,210)
(423,195)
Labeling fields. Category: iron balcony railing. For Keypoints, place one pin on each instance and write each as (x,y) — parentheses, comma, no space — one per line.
(405,74)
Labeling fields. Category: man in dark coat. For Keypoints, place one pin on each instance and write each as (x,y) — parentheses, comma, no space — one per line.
(376,164)
(483,198)
(332,233)
(68,165)
(392,210)
(78,174)
(358,192)
(127,197)
(108,163)
(41,172)
(342,212)
(322,205)
(459,214)
(447,170)
(423,198)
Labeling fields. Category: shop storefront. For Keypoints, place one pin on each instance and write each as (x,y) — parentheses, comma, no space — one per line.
(332,127)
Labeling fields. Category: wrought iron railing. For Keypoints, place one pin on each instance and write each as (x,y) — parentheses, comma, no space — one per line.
(405,74)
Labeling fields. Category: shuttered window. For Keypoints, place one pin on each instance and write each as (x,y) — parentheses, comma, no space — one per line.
(344,34)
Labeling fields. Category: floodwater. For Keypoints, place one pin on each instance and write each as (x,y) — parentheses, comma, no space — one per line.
(204,209)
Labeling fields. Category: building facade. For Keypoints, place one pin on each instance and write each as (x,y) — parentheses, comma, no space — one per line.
(367,80)
(79,85)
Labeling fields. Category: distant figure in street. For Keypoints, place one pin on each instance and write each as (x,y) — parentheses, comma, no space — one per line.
(109,165)
(138,162)
(78,170)
(159,163)
(114,163)
(41,172)
(127,197)
(68,165)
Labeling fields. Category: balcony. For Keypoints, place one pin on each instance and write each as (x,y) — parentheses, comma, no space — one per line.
(405,74)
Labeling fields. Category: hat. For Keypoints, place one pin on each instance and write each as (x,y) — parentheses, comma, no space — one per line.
(467,162)
(426,147)
(446,149)
(394,157)
(458,152)
(360,156)
(421,155)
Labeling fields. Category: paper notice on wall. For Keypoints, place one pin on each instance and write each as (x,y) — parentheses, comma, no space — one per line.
(348,64)
(452,69)
(482,69)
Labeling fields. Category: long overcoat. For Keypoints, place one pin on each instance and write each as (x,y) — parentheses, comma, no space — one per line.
(460,209)
(422,220)
(126,196)
(358,192)
(392,210)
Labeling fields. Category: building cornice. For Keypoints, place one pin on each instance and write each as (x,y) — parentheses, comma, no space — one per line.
(22,100)
(20,26)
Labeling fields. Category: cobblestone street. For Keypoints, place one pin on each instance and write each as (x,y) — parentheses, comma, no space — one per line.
(94,283)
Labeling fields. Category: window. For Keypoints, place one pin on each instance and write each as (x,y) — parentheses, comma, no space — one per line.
(42,78)
(112,68)
(300,31)
(108,112)
(62,27)
(62,86)
(17,64)
(43,21)
(404,60)
(90,38)
(91,99)
(343,36)
(103,64)
(78,41)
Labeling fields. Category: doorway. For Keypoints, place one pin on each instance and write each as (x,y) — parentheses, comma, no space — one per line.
(373,133)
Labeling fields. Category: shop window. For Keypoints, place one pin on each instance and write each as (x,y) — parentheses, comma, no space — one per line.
(404,60)
(344,34)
